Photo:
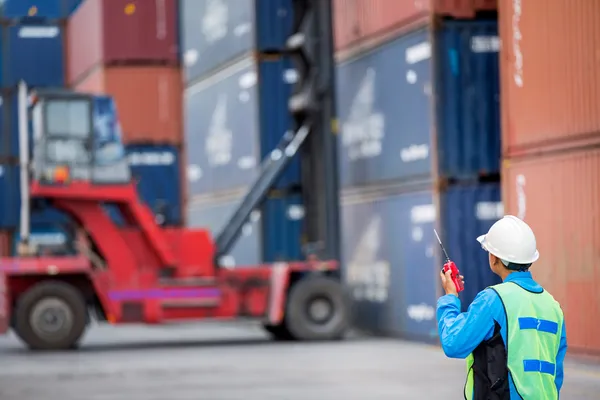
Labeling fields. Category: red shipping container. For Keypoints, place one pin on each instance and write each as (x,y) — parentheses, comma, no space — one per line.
(550,76)
(559,196)
(121,31)
(148,99)
(360,21)
(6,242)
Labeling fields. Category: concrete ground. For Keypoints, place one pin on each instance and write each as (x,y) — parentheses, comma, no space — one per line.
(216,361)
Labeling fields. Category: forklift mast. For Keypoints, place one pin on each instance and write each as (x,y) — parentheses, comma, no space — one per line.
(313,139)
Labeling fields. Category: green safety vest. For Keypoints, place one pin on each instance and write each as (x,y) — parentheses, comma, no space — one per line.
(534,326)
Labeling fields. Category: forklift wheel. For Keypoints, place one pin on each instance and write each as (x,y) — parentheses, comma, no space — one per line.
(278,332)
(50,316)
(317,309)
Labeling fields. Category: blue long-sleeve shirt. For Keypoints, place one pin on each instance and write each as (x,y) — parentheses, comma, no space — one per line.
(460,333)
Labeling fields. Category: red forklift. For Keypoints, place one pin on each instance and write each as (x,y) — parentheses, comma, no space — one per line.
(140,272)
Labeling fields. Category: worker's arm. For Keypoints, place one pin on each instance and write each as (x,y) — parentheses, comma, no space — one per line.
(460,332)
(560,358)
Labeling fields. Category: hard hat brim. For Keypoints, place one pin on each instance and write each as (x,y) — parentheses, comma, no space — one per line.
(536,255)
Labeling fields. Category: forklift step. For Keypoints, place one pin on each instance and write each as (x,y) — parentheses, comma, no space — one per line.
(192,281)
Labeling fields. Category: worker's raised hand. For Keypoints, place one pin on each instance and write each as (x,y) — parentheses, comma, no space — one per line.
(448,284)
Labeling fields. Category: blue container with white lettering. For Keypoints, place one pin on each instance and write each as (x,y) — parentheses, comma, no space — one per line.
(33,51)
(385,105)
(156,171)
(391,258)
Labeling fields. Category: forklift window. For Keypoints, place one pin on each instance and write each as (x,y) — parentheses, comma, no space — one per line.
(68,118)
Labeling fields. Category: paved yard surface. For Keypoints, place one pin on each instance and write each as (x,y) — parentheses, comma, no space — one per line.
(233,362)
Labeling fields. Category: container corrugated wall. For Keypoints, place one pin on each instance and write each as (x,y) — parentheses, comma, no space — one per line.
(388,251)
(51,9)
(282,219)
(467,212)
(50,229)
(385,110)
(212,215)
(121,31)
(558,196)
(550,75)
(215,33)
(33,51)
(391,256)
(157,171)
(221,130)
(359,20)
(385,107)
(232,120)
(11,197)
(148,100)
(468,99)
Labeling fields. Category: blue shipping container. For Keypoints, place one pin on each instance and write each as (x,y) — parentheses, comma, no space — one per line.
(223,117)
(216,32)
(385,106)
(389,258)
(468,88)
(282,223)
(51,9)
(385,112)
(467,212)
(50,228)
(33,52)
(156,170)
(10,196)
(213,217)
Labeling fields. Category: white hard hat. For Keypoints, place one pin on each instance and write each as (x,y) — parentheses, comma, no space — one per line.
(511,240)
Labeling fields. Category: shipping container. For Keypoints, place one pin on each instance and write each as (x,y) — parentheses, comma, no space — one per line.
(148,101)
(467,212)
(50,230)
(213,216)
(558,195)
(385,105)
(156,171)
(389,254)
(9,123)
(121,32)
(231,119)
(217,32)
(282,223)
(5,243)
(550,86)
(358,22)
(50,9)
(10,198)
(33,51)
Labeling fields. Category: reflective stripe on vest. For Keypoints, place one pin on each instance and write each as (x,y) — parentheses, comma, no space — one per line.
(534,326)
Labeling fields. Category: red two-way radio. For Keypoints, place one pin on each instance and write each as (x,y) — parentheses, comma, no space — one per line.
(449,265)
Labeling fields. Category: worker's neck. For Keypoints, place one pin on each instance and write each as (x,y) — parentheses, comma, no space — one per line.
(504,274)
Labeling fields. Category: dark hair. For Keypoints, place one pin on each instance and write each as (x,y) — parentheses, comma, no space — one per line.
(518,267)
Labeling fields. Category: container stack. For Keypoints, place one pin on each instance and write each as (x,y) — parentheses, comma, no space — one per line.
(418,103)
(129,50)
(32,50)
(235,115)
(551,153)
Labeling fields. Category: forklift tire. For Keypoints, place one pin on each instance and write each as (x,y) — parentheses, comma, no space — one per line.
(278,332)
(47,304)
(307,294)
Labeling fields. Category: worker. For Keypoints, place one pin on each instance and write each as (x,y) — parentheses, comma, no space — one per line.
(513,334)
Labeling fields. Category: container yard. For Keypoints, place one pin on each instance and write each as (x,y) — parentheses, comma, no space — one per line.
(255,171)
